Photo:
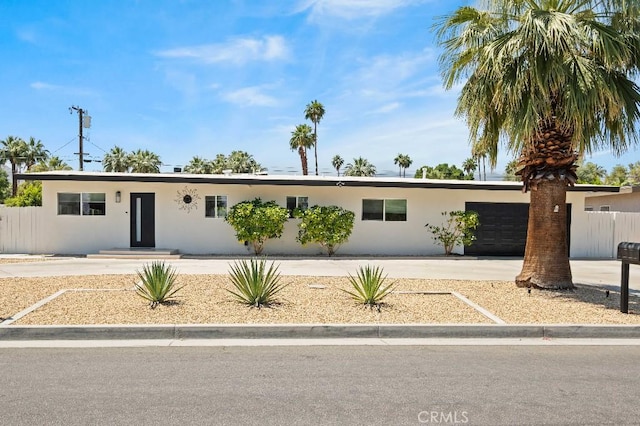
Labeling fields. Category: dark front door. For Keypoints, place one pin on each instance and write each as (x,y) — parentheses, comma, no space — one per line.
(143,223)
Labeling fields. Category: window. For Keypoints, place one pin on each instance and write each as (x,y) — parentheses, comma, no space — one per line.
(604,208)
(384,210)
(82,204)
(215,206)
(293,203)
(588,209)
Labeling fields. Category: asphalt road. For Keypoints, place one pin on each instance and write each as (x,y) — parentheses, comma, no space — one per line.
(495,385)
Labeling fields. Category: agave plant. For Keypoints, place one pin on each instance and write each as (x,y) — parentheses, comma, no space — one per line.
(368,286)
(157,283)
(254,283)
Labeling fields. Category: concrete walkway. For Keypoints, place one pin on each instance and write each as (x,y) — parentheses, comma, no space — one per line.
(604,273)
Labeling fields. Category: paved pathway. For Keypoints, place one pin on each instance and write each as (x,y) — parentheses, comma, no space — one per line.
(604,273)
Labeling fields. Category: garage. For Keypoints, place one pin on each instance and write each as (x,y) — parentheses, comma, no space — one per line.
(503,229)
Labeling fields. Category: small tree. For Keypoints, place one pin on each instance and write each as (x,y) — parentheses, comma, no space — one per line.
(29,194)
(328,226)
(256,221)
(458,229)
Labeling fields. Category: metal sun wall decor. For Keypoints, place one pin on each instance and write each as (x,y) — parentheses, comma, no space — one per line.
(187,199)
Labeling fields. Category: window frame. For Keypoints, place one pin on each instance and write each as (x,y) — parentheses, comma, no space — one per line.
(384,213)
(297,199)
(216,211)
(85,204)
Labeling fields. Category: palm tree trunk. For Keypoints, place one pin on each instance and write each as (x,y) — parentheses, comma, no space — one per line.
(14,181)
(315,144)
(303,160)
(546,258)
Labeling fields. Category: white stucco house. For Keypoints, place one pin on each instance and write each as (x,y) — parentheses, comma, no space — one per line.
(84,212)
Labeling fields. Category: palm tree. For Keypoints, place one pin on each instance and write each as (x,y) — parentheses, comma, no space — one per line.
(219,164)
(34,152)
(405,163)
(314,112)
(243,162)
(116,160)
(360,167)
(52,163)
(550,81)
(145,162)
(198,165)
(14,151)
(337,162)
(469,166)
(302,139)
(398,162)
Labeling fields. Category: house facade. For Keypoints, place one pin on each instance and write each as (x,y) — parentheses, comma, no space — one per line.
(84,212)
(627,200)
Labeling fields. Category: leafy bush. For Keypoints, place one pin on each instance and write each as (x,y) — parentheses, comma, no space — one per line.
(459,229)
(254,284)
(256,221)
(29,194)
(157,283)
(368,286)
(328,226)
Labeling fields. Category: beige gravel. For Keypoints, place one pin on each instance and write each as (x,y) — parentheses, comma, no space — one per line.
(204,300)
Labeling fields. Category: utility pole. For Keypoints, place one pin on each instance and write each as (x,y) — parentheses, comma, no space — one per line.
(82,122)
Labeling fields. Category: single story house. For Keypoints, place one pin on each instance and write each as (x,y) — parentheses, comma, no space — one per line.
(627,200)
(84,212)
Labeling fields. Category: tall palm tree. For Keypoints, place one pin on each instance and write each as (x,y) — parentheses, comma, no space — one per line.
(550,81)
(337,162)
(116,160)
(34,153)
(13,150)
(198,165)
(360,167)
(301,140)
(145,162)
(398,161)
(314,112)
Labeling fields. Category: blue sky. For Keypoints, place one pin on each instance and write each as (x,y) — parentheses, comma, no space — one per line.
(196,77)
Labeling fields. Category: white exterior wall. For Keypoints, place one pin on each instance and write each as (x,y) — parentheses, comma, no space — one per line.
(192,233)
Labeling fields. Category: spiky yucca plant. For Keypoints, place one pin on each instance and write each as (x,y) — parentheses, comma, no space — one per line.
(157,283)
(254,283)
(368,286)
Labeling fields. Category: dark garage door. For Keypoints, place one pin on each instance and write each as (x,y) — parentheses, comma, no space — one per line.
(503,229)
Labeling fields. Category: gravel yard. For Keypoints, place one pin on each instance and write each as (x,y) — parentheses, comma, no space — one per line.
(204,300)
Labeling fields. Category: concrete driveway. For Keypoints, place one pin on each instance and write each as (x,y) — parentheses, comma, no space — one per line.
(604,273)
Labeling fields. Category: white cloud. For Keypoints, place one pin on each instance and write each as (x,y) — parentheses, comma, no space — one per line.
(236,51)
(386,108)
(250,96)
(352,9)
(39,85)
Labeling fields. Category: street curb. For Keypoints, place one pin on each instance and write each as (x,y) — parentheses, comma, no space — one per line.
(317,331)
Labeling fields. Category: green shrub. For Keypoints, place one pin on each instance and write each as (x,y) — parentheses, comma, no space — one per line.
(328,226)
(256,221)
(157,283)
(458,229)
(254,284)
(29,194)
(368,286)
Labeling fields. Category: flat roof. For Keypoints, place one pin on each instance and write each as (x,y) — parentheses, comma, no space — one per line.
(286,180)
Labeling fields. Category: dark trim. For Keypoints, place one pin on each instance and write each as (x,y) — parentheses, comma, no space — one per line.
(283,181)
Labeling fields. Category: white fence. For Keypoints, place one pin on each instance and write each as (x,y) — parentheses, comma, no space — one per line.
(605,230)
(22,229)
